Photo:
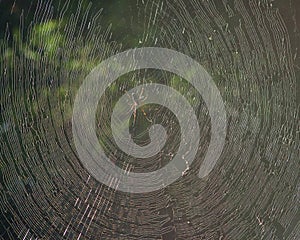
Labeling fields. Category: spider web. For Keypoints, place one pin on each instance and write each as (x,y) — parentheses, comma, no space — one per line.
(250,50)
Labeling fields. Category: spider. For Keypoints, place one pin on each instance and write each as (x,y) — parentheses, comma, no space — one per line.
(136,103)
